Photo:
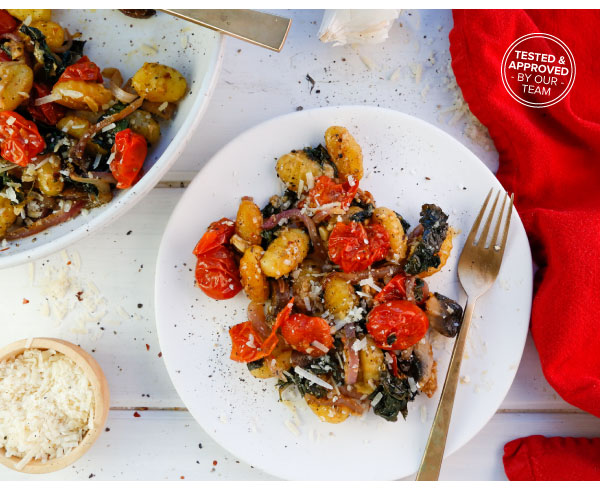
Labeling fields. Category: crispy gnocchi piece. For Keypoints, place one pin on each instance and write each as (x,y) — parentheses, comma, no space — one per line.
(331,413)
(77,126)
(339,297)
(36,14)
(285,253)
(159,83)
(443,254)
(371,367)
(274,365)
(254,281)
(249,221)
(398,240)
(54,33)
(7,215)
(143,123)
(16,80)
(48,179)
(77,94)
(293,167)
(345,152)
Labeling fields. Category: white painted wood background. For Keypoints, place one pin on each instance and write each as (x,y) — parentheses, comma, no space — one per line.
(165,442)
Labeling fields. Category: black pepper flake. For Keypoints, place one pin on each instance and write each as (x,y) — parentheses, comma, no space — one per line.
(312,82)
(129,232)
(140,305)
(91,475)
(299,108)
(107,429)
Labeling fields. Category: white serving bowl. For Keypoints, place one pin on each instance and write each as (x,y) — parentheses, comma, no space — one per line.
(115,40)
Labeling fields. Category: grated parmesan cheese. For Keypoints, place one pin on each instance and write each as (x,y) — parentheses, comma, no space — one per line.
(46,406)
(312,378)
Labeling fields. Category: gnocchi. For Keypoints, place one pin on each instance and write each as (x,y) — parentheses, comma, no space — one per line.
(77,94)
(398,240)
(249,221)
(294,167)
(345,152)
(159,83)
(285,253)
(339,297)
(35,14)
(253,280)
(49,180)
(7,215)
(16,80)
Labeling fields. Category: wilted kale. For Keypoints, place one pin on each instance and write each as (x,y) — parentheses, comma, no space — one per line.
(106,139)
(304,385)
(56,141)
(86,187)
(435,229)
(53,64)
(255,364)
(318,154)
(328,365)
(396,394)
(366,213)
(405,224)
(6,180)
(286,201)
(418,290)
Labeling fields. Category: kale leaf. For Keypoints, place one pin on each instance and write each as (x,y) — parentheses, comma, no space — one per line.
(106,139)
(320,155)
(435,229)
(286,201)
(53,64)
(366,213)
(405,224)
(304,385)
(255,364)
(396,394)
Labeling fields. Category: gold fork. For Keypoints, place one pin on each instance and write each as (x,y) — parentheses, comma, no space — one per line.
(478,268)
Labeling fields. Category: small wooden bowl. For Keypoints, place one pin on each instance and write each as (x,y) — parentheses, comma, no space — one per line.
(101,400)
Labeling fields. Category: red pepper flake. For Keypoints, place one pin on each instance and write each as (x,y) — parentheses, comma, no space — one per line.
(160,354)
(215,462)
(4,249)
(135,414)
(69,262)
(79,295)
(182,477)
(25,301)
(147,347)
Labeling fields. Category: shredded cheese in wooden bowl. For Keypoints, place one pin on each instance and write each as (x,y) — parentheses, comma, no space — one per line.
(53,404)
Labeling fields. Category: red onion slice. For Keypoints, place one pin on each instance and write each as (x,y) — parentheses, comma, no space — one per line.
(45,223)
(256,316)
(352,359)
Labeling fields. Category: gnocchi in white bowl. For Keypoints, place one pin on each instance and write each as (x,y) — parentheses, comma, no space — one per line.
(150,66)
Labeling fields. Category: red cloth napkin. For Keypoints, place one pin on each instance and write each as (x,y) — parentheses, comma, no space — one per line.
(555,458)
(550,159)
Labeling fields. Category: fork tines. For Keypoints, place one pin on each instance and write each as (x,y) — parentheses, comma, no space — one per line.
(482,240)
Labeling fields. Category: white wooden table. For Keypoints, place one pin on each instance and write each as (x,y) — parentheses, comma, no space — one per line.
(163,441)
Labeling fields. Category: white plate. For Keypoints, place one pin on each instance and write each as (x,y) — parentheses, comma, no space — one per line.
(243,413)
(116,40)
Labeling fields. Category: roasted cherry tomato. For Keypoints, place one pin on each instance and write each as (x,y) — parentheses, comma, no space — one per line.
(84,70)
(20,139)
(130,152)
(7,22)
(326,191)
(397,324)
(355,247)
(301,331)
(218,233)
(246,345)
(395,289)
(217,272)
(49,113)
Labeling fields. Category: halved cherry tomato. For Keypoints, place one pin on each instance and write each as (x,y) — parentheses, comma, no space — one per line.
(355,247)
(246,345)
(130,152)
(300,331)
(83,70)
(7,22)
(395,289)
(217,272)
(49,113)
(218,233)
(20,139)
(397,324)
(326,191)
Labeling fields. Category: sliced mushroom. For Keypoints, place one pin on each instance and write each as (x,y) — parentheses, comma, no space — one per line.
(444,314)
(422,361)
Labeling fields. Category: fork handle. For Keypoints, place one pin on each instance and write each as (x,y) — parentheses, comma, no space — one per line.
(429,470)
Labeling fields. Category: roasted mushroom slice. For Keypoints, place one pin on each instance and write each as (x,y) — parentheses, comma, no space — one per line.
(444,314)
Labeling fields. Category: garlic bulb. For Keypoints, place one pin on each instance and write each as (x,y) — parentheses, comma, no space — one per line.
(348,26)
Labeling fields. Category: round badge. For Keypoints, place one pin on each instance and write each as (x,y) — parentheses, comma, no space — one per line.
(538,70)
